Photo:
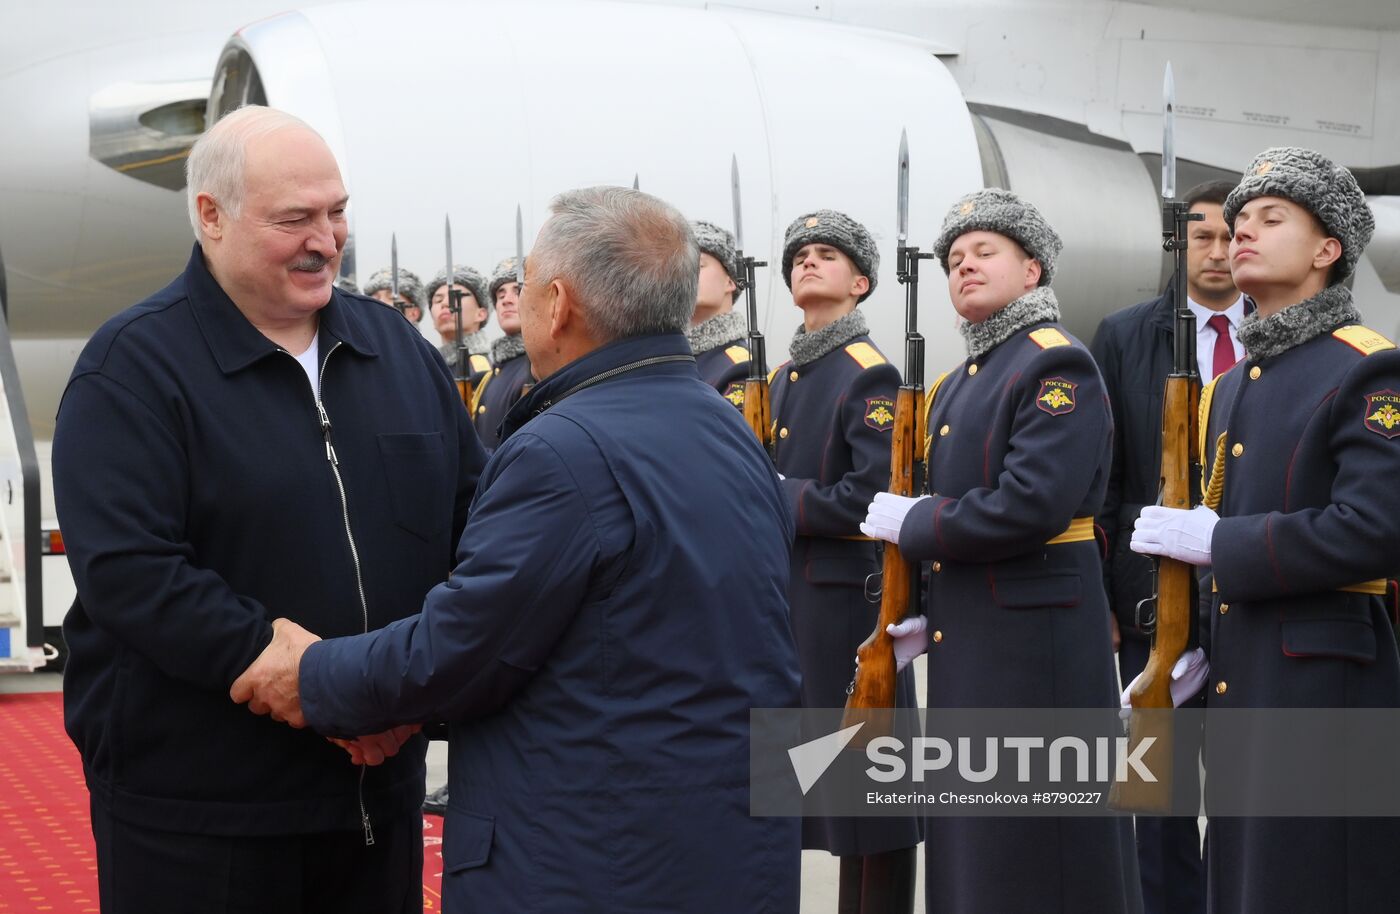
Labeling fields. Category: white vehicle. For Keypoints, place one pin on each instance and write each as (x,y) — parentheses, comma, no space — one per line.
(468,109)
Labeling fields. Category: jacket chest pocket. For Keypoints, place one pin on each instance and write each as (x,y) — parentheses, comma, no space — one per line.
(420,486)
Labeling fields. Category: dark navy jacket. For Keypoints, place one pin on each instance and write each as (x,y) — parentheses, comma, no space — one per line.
(198,503)
(1310,506)
(618,608)
(496,391)
(1019,448)
(724,368)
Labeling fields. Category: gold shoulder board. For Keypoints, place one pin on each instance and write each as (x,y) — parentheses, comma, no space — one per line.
(1047,337)
(866,355)
(1363,339)
(479,363)
(737,354)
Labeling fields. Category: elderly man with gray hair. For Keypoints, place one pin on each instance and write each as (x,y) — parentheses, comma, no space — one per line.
(249,444)
(618,607)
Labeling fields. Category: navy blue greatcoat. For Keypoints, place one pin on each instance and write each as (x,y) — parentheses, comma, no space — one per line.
(199,502)
(1020,442)
(724,368)
(1310,507)
(618,608)
(833,419)
(497,390)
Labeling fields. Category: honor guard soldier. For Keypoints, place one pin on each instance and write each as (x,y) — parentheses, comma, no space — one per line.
(1018,459)
(476,309)
(833,411)
(717,331)
(1301,439)
(509,377)
(410,304)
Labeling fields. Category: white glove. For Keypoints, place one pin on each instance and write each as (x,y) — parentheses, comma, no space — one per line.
(1188,675)
(910,640)
(1175,533)
(886,515)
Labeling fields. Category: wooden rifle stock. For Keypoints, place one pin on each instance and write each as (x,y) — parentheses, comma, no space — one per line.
(872,693)
(1175,595)
(757,411)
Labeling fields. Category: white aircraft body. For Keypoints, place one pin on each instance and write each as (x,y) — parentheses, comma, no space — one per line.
(468,109)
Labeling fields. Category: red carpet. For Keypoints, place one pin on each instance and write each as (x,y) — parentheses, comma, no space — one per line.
(46,852)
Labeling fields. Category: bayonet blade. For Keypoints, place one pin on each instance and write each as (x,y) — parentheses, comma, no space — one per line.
(902,204)
(738,207)
(394,267)
(519,247)
(447,234)
(1168,135)
(636,181)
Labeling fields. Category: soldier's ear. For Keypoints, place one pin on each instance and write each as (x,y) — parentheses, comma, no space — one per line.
(1033,273)
(1328,253)
(860,285)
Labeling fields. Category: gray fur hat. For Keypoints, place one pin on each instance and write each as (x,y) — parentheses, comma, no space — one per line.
(1312,181)
(719,244)
(827,226)
(410,286)
(995,210)
(462,276)
(504,273)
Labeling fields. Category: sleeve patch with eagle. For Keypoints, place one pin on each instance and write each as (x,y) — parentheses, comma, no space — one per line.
(734,393)
(1383,413)
(879,413)
(1056,396)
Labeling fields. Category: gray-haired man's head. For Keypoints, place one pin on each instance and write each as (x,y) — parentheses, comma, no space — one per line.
(629,260)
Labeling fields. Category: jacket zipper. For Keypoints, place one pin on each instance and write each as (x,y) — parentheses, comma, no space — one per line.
(354,556)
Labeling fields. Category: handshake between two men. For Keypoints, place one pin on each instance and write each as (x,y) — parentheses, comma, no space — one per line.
(271,686)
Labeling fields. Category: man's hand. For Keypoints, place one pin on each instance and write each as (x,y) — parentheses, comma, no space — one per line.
(374,749)
(1175,533)
(270,685)
(886,514)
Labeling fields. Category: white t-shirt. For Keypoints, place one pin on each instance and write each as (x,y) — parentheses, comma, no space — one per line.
(310,363)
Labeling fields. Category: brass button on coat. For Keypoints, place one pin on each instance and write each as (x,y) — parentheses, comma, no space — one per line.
(792,376)
(937,637)
(1224,608)
(1221,687)
(1238,449)
(937,567)
(944,431)
(1254,373)
(972,369)
(782,433)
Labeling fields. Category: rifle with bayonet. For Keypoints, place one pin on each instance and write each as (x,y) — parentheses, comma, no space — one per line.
(1169,611)
(454,304)
(872,692)
(399,304)
(757,409)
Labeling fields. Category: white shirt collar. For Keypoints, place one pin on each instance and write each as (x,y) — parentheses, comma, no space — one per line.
(1234,314)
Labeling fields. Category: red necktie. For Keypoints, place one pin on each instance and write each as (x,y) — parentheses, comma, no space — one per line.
(1224,358)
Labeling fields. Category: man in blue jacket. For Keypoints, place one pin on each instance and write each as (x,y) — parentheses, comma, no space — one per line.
(618,608)
(248,444)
